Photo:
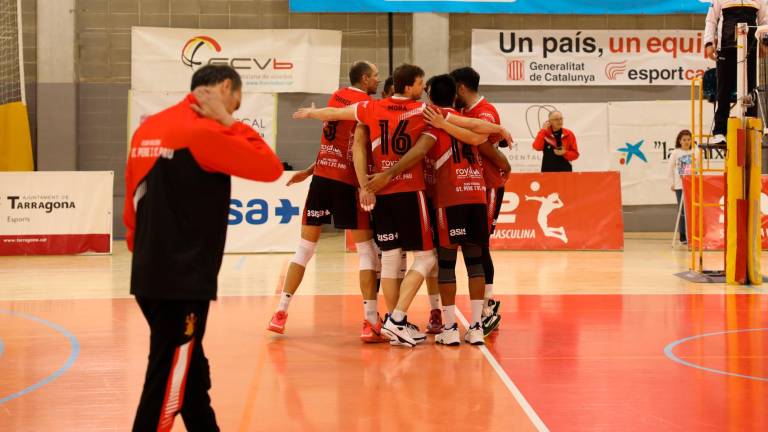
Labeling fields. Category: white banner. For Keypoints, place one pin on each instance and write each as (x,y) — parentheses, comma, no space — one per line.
(269,61)
(588,121)
(642,138)
(265,217)
(257,110)
(55,212)
(588,57)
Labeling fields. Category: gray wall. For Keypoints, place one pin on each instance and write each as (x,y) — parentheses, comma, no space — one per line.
(103,68)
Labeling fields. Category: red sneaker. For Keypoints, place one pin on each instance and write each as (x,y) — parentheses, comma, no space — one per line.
(435,325)
(371,333)
(277,324)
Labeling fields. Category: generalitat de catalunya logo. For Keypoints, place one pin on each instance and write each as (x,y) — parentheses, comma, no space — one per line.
(194,45)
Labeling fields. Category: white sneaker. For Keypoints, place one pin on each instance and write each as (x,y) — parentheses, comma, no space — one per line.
(416,333)
(474,335)
(449,336)
(398,333)
(717,139)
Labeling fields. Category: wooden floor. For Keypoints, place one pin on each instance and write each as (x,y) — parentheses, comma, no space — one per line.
(603,341)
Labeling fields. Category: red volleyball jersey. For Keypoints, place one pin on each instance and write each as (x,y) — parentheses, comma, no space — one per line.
(395,124)
(334,161)
(457,171)
(483,110)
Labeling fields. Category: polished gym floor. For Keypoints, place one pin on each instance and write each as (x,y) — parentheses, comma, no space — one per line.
(589,341)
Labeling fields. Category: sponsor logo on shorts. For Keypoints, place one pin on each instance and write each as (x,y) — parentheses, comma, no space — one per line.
(458,232)
(318,213)
(387,237)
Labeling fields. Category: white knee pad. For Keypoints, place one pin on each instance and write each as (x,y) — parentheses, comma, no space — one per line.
(304,252)
(424,262)
(403,265)
(366,252)
(390,263)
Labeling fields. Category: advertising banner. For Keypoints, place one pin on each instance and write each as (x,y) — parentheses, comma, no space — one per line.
(549,211)
(269,61)
(642,138)
(588,57)
(56,213)
(265,217)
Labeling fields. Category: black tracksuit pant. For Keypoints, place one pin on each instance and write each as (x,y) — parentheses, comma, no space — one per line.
(178,376)
(726,85)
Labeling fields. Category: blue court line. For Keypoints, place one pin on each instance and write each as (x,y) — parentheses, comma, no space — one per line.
(75,352)
(1,347)
(668,351)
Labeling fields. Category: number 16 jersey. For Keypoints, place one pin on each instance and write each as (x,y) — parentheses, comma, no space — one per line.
(395,125)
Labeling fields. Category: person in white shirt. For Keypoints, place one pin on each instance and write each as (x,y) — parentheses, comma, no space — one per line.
(679,166)
(720,45)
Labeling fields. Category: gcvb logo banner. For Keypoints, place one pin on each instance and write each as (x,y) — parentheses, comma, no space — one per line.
(269,61)
(588,57)
(618,7)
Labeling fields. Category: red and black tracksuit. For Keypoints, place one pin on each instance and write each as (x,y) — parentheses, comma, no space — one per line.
(176,210)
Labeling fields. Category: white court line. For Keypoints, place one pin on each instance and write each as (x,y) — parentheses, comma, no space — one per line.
(518,395)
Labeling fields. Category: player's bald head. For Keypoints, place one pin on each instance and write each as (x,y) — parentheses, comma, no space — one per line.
(555,115)
(360,69)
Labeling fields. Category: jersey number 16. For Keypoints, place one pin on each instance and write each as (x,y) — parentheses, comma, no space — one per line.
(401,141)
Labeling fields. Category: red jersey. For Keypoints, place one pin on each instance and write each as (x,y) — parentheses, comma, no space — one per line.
(483,110)
(178,132)
(334,161)
(395,124)
(458,174)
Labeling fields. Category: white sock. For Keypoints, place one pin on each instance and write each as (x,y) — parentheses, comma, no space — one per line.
(434,301)
(477,311)
(449,316)
(371,311)
(488,291)
(397,315)
(285,301)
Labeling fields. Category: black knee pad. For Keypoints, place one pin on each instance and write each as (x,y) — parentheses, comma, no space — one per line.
(446,263)
(487,265)
(473,260)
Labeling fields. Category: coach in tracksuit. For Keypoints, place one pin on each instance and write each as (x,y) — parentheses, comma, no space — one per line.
(720,45)
(176,210)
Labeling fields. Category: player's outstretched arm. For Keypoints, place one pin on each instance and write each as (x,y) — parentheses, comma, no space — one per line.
(415,154)
(480,126)
(326,114)
(466,136)
(300,176)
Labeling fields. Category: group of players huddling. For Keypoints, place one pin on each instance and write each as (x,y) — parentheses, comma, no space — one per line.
(424,178)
